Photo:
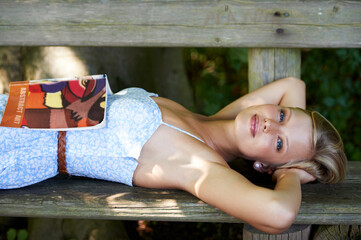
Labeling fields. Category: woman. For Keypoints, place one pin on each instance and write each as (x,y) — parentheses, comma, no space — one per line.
(154,142)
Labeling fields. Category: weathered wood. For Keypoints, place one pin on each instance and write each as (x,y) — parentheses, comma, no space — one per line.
(267,65)
(92,199)
(250,23)
(299,232)
(342,232)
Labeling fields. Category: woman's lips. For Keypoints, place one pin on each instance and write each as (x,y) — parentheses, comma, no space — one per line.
(254,125)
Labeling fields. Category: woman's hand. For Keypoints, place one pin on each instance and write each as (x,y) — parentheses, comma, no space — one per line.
(304,176)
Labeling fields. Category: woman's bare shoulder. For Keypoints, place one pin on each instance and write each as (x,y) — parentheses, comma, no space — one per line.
(167,105)
(173,163)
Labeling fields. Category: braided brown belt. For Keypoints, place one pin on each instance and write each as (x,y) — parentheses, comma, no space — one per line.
(61,153)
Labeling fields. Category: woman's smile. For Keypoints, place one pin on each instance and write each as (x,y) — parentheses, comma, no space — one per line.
(254,125)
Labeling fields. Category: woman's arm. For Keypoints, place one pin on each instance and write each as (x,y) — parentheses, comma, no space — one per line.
(290,92)
(272,211)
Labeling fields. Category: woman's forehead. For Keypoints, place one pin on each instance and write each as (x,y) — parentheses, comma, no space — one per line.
(300,134)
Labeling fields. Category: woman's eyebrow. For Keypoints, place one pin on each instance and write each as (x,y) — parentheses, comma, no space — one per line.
(290,112)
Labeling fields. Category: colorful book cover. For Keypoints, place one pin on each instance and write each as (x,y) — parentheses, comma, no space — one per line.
(57,104)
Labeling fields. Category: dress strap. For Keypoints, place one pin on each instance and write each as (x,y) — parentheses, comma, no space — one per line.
(181,130)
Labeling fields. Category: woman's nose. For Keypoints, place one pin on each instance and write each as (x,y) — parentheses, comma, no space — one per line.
(269,125)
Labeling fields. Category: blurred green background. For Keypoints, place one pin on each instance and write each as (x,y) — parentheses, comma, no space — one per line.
(333,78)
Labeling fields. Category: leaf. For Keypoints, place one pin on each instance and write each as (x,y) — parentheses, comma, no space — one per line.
(22,234)
(11,234)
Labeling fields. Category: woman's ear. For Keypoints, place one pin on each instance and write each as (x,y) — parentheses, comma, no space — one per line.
(261,167)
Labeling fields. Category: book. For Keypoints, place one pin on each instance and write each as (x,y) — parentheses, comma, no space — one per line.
(76,103)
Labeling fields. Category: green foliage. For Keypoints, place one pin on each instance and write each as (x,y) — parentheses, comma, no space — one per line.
(333,79)
(22,234)
(13,234)
(216,76)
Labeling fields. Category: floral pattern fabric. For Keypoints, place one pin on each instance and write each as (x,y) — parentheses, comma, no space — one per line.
(109,153)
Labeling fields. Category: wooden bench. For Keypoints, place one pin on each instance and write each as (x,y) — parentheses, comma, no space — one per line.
(337,204)
(85,198)
(274,32)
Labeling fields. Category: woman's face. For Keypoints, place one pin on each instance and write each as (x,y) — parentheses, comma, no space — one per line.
(273,134)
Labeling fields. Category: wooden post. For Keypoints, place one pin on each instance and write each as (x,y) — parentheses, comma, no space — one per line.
(269,64)
(295,232)
(265,66)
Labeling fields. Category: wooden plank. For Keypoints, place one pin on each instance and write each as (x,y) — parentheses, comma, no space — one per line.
(268,64)
(85,198)
(299,232)
(249,23)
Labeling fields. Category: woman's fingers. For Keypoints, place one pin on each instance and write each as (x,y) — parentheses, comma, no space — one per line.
(304,176)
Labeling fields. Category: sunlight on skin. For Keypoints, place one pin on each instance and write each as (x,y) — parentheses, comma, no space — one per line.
(161,174)
(253,101)
(245,104)
(3,81)
(157,171)
(197,163)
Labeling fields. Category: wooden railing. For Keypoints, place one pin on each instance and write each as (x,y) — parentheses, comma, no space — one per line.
(250,23)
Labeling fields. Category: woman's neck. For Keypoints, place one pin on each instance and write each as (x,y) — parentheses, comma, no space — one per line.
(220,135)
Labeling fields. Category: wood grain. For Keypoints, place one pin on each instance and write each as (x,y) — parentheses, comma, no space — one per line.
(93,199)
(268,64)
(250,23)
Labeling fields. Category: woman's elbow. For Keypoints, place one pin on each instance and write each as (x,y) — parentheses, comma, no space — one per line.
(275,219)
(296,82)
(282,219)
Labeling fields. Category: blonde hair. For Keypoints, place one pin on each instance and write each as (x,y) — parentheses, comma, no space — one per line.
(328,163)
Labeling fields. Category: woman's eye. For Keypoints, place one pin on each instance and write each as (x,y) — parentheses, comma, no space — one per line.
(279,144)
(282,115)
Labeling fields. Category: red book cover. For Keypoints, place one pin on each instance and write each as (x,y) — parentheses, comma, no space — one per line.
(57,104)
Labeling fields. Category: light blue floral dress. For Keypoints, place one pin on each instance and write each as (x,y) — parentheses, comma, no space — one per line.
(109,153)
